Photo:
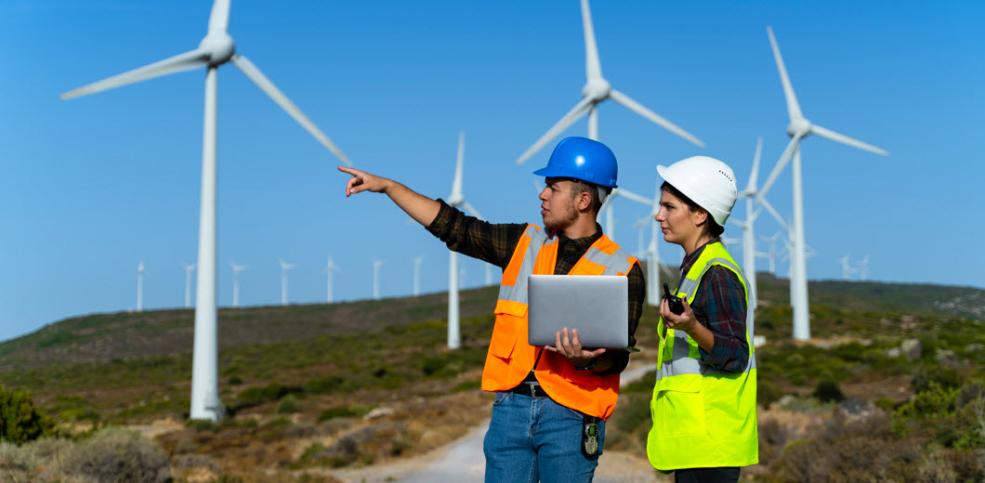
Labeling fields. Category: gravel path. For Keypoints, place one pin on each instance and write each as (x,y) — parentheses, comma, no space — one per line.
(462,460)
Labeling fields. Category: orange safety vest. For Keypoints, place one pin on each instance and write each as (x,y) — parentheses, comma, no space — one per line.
(511,358)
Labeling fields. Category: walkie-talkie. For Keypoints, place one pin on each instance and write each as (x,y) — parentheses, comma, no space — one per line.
(675,304)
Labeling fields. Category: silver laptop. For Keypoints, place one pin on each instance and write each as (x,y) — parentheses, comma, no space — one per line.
(596,305)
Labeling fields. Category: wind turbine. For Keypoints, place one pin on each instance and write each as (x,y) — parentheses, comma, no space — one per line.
(417,275)
(847,270)
(376,278)
(330,269)
(653,254)
(751,195)
(799,128)
(771,254)
(595,91)
(189,268)
(284,268)
(215,49)
(863,269)
(140,286)
(456,199)
(236,270)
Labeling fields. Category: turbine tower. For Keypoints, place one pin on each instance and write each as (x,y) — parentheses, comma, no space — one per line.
(189,268)
(236,270)
(330,269)
(140,286)
(457,200)
(417,275)
(376,278)
(284,268)
(215,49)
(653,256)
(595,91)
(799,128)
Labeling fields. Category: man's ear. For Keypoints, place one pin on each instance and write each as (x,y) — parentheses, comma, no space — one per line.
(584,201)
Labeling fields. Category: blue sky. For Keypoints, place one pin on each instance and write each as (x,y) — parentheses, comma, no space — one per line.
(92,186)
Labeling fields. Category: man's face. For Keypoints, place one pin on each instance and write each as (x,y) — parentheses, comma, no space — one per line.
(557,204)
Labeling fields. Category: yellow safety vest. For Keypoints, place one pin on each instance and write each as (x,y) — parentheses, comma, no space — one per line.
(511,358)
(702,417)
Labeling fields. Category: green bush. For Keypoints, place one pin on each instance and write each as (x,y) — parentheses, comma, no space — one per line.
(20,421)
(943,377)
(288,405)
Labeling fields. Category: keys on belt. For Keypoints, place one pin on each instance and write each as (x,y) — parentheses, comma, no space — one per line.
(529,388)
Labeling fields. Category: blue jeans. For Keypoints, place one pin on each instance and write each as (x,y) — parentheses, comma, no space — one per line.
(534,439)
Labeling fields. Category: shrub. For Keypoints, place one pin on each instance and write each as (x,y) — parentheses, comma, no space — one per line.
(20,421)
(943,377)
(828,391)
(288,405)
(116,455)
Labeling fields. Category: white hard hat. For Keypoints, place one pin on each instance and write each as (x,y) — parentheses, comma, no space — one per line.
(707,181)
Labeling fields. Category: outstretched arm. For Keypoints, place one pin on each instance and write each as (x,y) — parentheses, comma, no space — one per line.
(419,207)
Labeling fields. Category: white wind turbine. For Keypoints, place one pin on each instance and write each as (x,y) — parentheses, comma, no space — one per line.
(799,128)
(140,286)
(771,253)
(863,269)
(595,91)
(417,275)
(652,251)
(330,269)
(376,278)
(456,199)
(236,269)
(847,270)
(215,49)
(189,268)
(284,268)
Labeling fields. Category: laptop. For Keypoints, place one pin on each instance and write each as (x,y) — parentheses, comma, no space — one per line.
(596,305)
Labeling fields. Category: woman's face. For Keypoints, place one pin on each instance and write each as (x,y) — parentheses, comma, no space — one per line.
(677,221)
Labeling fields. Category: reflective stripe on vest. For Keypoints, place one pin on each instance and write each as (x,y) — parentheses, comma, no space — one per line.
(702,418)
(511,358)
(681,352)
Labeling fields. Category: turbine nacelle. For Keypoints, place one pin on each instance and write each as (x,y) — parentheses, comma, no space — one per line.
(596,89)
(219,47)
(799,128)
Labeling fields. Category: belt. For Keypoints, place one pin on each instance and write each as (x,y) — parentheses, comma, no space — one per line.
(529,388)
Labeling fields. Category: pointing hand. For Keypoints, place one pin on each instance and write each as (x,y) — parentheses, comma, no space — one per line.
(363,181)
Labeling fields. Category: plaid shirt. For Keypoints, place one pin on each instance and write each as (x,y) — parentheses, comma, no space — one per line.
(494,243)
(720,305)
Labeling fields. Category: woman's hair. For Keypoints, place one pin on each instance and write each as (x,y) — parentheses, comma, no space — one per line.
(712,226)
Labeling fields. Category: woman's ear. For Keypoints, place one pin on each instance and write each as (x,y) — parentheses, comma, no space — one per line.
(699,217)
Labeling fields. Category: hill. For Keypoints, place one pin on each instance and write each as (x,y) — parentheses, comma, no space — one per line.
(320,386)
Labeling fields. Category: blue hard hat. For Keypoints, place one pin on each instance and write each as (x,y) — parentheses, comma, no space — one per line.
(582,159)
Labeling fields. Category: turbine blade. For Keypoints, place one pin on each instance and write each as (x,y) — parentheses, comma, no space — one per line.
(841,138)
(772,211)
(660,121)
(253,73)
(793,108)
(556,129)
(471,210)
(629,195)
(593,68)
(219,20)
(751,186)
(178,63)
(456,187)
(778,168)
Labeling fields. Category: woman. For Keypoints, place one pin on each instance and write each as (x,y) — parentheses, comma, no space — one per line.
(704,398)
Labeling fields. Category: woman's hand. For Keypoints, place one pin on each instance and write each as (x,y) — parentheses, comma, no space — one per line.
(570,346)
(685,321)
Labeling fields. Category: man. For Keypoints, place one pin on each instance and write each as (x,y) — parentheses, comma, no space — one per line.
(548,420)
